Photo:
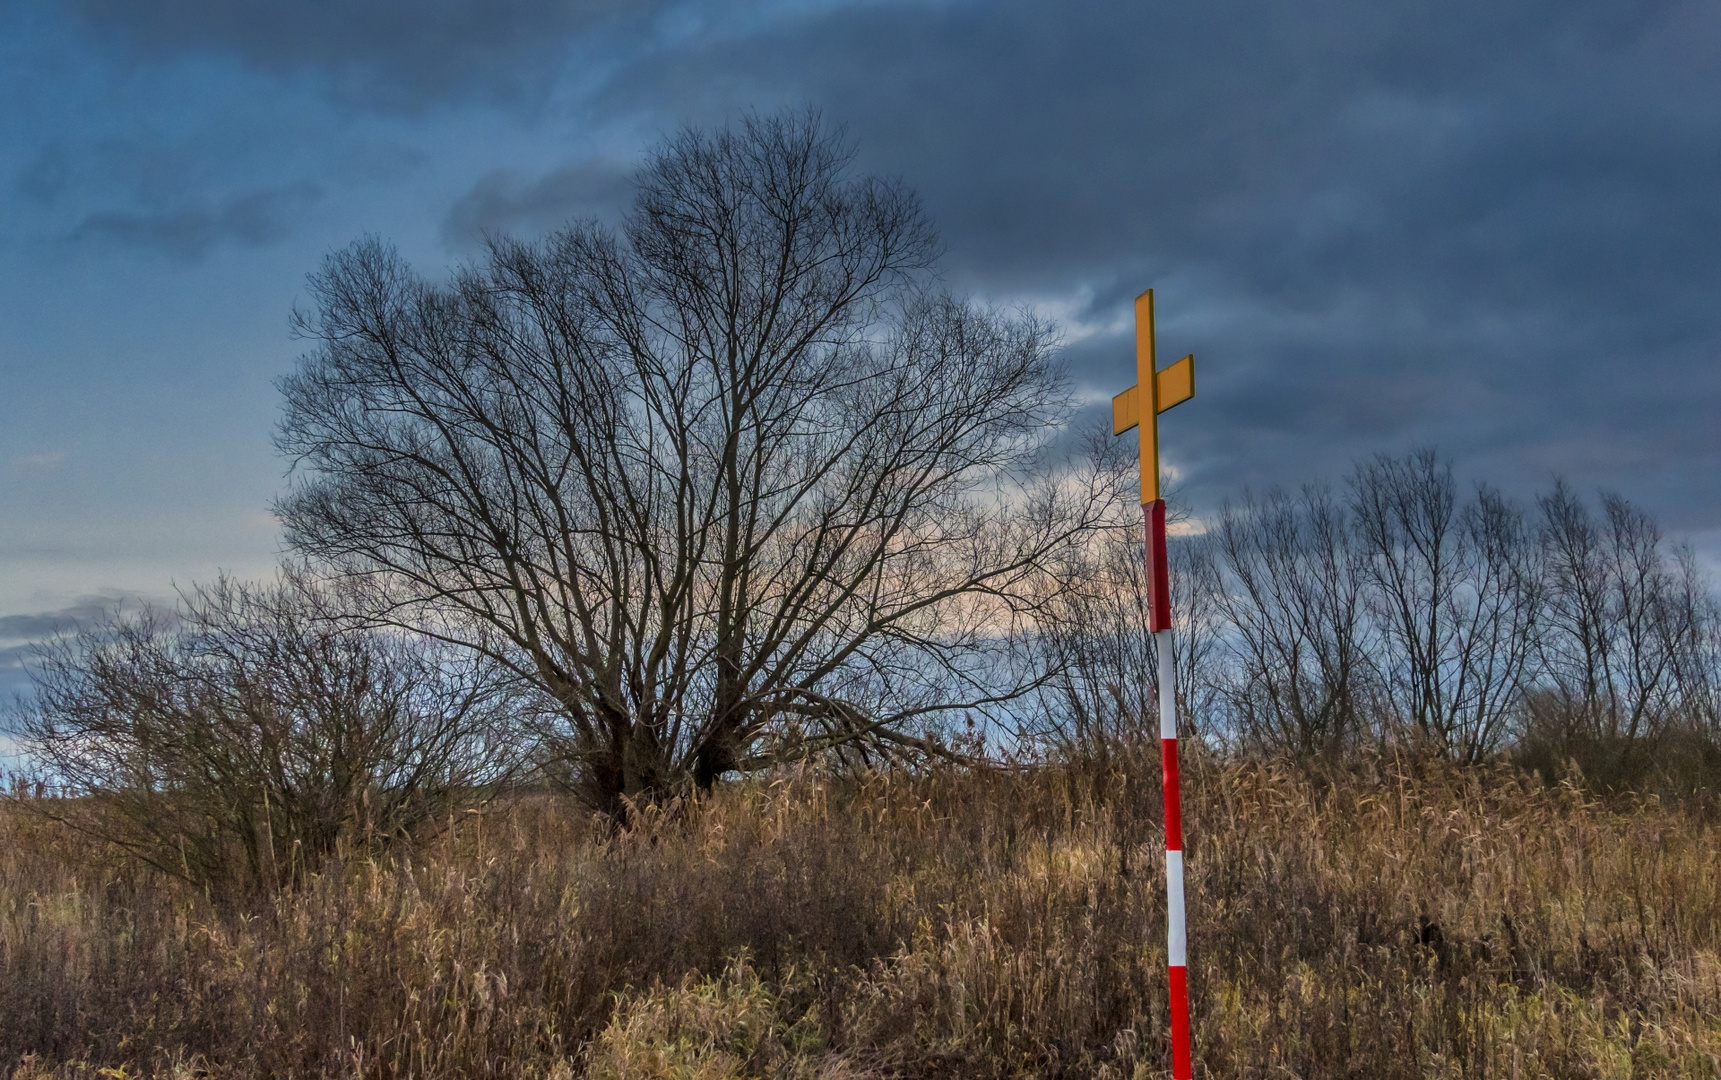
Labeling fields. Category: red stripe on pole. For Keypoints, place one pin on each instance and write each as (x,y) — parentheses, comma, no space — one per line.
(1158,569)
(1180,1067)
(1173,801)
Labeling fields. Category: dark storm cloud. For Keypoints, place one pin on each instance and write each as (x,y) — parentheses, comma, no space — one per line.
(22,635)
(390,53)
(1487,225)
(187,232)
(1492,226)
(1349,134)
(14,681)
(46,624)
(505,202)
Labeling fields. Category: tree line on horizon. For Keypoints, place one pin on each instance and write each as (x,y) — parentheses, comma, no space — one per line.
(1395,611)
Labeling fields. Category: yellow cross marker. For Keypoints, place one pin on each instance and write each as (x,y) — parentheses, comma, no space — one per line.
(1173,386)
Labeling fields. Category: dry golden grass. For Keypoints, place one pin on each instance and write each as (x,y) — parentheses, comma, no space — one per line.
(1374,925)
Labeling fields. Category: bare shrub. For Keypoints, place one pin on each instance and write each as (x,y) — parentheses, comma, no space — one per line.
(1311,626)
(247,737)
(1621,616)
(1700,659)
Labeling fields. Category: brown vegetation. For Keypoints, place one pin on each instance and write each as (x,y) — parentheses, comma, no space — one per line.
(1388,922)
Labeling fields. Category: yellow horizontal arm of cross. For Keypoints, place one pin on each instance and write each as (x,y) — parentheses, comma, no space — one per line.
(1169,388)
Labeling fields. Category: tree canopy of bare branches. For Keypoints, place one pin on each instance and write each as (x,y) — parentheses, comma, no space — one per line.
(1624,622)
(1402,612)
(733,483)
(1292,594)
(1456,591)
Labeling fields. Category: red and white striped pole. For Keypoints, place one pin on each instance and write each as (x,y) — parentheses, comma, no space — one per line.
(1159,622)
(1154,392)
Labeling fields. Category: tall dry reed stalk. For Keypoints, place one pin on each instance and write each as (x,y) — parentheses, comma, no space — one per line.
(1383,923)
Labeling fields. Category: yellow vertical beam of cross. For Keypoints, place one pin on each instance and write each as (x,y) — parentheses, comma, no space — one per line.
(1165,389)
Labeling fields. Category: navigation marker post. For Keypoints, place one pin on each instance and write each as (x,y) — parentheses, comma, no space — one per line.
(1139,407)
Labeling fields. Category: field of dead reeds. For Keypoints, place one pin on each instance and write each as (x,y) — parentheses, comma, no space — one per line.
(1389,922)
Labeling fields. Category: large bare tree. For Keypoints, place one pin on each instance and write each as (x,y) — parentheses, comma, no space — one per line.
(733,483)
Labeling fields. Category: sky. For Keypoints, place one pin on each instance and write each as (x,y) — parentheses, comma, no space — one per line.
(1490,227)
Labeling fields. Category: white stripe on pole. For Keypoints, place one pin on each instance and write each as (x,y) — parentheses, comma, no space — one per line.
(1167,688)
(1176,948)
